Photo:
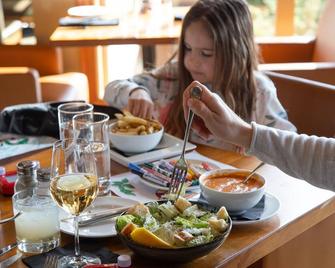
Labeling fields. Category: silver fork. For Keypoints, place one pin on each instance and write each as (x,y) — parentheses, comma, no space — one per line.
(51,261)
(180,169)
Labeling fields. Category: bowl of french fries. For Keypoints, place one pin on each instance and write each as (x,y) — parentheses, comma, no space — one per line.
(132,134)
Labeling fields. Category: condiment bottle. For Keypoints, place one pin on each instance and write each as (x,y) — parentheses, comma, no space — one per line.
(43,182)
(26,175)
(124,261)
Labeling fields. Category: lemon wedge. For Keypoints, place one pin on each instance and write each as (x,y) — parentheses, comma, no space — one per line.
(147,238)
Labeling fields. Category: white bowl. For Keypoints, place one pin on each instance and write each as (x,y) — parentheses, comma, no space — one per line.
(134,144)
(235,202)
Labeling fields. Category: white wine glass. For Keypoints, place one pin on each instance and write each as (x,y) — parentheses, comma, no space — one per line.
(74,186)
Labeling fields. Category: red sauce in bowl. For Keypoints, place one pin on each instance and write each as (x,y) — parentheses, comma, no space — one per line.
(232,183)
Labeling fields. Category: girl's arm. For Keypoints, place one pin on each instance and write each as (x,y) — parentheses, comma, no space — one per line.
(117,92)
(307,157)
(268,109)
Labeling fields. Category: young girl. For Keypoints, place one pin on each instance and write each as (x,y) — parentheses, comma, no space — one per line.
(216,48)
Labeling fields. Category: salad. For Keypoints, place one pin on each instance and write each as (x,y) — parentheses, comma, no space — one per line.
(168,225)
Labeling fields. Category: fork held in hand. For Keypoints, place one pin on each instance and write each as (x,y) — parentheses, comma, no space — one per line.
(180,169)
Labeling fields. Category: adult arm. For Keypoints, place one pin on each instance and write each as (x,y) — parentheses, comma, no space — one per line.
(307,157)
(310,158)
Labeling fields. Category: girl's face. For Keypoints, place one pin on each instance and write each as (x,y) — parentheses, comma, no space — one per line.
(199,52)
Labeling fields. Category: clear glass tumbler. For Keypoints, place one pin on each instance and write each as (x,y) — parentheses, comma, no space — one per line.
(37,228)
(94,128)
(66,112)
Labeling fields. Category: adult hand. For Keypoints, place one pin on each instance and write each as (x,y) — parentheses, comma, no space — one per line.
(218,118)
(140,104)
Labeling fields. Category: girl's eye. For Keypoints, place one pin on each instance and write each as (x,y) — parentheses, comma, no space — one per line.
(206,54)
(187,48)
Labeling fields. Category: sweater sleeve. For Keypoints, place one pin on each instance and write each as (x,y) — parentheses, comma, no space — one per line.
(306,157)
(268,109)
(117,92)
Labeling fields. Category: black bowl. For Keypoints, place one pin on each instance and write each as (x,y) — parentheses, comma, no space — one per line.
(178,254)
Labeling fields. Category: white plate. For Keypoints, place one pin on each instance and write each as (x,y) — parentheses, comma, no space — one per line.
(88,11)
(271,207)
(102,229)
(158,187)
(168,147)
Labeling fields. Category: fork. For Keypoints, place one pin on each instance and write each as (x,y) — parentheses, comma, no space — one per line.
(180,169)
(51,261)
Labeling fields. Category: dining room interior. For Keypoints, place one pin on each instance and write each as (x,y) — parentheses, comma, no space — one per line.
(57,58)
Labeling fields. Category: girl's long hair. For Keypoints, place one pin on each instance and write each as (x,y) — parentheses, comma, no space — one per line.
(230,24)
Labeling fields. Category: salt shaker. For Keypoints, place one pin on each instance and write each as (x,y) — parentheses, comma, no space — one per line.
(43,182)
(26,175)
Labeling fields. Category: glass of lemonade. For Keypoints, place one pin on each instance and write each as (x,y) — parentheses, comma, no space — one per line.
(94,128)
(74,186)
(66,112)
(37,228)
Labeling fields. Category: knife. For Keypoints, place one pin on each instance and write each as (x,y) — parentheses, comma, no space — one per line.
(101,217)
(7,248)
(10,260)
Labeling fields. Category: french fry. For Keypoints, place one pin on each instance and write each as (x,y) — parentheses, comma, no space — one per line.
(122,124)
(135,120)
(127,124)
(118,116)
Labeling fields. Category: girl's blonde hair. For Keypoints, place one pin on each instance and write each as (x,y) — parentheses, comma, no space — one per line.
(230,24)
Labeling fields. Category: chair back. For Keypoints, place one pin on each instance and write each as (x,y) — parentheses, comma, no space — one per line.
(309,104)
(46,60)
(19,85)
(324,49)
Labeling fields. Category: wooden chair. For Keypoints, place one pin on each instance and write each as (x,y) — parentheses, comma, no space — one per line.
(41,71)
(309,104)
(311,58)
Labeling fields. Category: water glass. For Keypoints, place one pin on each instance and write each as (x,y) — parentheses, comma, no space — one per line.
(66,112)
(37,228)
(94,128)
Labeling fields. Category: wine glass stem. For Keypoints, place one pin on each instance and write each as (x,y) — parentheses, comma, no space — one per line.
(76,238)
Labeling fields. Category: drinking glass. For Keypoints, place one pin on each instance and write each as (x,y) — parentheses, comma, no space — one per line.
(94,128)
(37,228)
(66,112)
(74,186)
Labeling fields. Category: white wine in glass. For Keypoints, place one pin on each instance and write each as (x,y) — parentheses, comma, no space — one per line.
(74,186)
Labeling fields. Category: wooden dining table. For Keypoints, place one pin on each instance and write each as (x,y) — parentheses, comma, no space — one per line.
(300,234)
(139,29)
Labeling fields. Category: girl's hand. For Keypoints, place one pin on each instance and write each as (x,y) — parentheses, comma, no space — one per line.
(140,104)
(218,118)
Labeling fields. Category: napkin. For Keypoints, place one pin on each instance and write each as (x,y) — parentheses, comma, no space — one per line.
(251,214)
(89,247)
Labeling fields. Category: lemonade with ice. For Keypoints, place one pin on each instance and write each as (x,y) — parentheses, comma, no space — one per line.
(37,228)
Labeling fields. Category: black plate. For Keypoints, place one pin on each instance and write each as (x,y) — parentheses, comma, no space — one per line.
(178,254)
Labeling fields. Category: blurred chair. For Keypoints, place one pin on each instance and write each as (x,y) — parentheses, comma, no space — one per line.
(311,58)
(309,104)
(24,80)
(40,75)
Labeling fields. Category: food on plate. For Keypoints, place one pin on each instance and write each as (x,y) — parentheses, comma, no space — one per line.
(168,225)
(233,182)
(128,124)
